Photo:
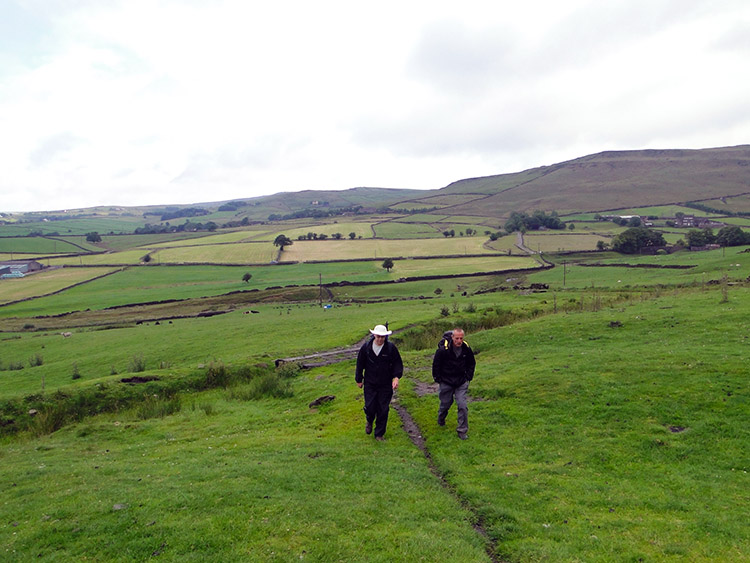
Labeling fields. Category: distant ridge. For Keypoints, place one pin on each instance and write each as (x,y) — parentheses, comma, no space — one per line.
(609,180)
(603,181)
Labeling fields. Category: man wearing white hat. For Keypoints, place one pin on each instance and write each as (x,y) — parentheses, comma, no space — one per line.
(379,367)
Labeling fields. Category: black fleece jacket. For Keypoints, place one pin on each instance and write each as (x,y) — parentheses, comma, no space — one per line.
(378,370)
(451,369)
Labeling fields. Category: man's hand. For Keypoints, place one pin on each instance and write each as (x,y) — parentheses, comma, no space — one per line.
(360,384)
(394,383)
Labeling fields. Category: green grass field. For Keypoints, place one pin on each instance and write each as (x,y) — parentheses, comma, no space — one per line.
(608,420)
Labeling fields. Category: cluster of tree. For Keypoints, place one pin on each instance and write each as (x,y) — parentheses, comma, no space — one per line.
(727,236)
(708,209)
(187,226)
(634,239)
(538,219)
(452,232)
(43,234)
(313,213)
(233,205)
(323,236)
(634,221)
(318,213)
(624,221)
(413,211)
(230,224)
(93,237)
(175,213)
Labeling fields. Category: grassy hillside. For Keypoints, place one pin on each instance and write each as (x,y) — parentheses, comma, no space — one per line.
(610,181)
(142,414)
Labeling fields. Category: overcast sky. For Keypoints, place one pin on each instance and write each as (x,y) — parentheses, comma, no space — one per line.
(158,102)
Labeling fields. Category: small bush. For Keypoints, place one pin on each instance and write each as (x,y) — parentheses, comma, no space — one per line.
(154,406)
(288,369)
(76,373)
(137,364)
(470,308)
(36,360)
(48,420)
(217,375)
(444,312)
(266,385)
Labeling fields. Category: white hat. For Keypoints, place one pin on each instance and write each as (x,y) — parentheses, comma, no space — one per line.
(380,330)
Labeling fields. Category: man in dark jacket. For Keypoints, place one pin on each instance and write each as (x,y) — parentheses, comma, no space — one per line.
(379,367)
(453,368)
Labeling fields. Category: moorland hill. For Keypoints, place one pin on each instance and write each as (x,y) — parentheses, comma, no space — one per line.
(605,181)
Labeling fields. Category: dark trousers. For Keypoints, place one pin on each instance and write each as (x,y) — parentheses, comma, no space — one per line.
(447,394)
(377,404)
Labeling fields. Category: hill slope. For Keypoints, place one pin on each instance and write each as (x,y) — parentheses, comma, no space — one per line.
(607,181)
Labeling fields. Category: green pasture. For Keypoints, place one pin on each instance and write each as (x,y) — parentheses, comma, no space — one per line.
(46,281)
(438,201)
(740,203)
(303,251)
(124,258)
(664,211)
(569,457)
(75,226)
(37,245)
(400,230)
(19,256)
(467,220)
(505,243)
(600,227)
(172,347)
(237,253)
(359,228)
(743,222)
(227,479)
(157,283)
(420,218)
(602,442)
(563,241)
(128,242)
(702,267)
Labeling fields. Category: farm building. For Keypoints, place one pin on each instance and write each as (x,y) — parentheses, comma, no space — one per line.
(18,269)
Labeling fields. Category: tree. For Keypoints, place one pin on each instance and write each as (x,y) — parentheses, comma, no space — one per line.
(732,236)
(352,235)
(601,245)
(337,236)
(281,241)
(93,237)
(388,264)
(698,237)
(634,239)
(246,277)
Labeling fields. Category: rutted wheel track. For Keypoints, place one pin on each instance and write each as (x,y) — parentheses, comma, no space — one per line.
(412,430)
(415,435)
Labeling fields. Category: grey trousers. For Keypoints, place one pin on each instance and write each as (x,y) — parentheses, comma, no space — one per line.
(447,394)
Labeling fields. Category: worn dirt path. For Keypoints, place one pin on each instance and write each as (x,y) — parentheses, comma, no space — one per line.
(411,428)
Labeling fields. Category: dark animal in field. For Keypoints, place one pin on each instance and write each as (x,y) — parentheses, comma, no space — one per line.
(320,400)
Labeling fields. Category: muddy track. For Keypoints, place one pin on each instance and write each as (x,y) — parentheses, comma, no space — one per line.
(415,435)
(412,430)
